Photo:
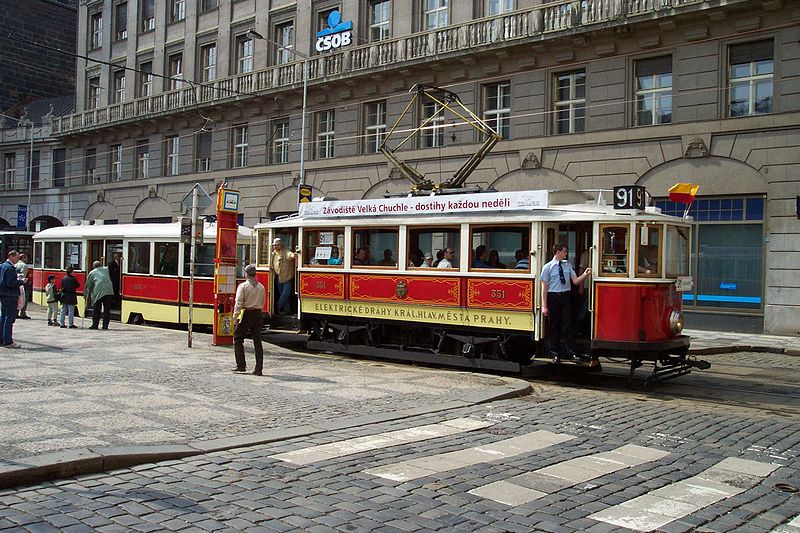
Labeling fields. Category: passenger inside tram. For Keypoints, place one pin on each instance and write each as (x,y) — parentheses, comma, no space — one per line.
(387,259)
(362,256)
(480,258)
(494,260)
(335,259)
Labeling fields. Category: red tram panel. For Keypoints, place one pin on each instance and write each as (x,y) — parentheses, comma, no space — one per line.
(322,285)
(634,312)
(148,288)
(423,290)
(503,294)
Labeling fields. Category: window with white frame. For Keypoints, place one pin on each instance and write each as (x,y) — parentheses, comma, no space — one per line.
(208,57)
(379,17)
(115,158)
(432,135)
(9,171)
(93,93)
(750,84)
(497,107)
(435,14)
(244,54)
(375,126)
(284,37)
(654,91)
(96,30)
(119,86)
(148,15)
(239,146)
(325,133)
(90,161)
(121,21)
(203,147)
(177,10)
(172,148)
(146,79)
(498,7)
(570,101)
(175,71)
(143,159)
(280,141)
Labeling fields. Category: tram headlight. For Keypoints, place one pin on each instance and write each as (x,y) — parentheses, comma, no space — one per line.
(676,322)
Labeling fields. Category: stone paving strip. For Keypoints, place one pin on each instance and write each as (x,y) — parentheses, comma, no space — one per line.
(657,508)
(333,450)
(443,462)
(531,486)
(790,527)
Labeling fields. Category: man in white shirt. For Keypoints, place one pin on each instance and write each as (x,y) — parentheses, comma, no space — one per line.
(22,269)
(250,298)
(447,260)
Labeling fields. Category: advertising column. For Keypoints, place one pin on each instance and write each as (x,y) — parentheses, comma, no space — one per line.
(225,265)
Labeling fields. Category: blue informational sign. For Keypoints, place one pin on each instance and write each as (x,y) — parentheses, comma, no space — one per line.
(22,217)
(338,33)
(727,286)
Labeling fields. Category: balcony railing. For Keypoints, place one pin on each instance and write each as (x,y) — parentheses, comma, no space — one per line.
(541,21)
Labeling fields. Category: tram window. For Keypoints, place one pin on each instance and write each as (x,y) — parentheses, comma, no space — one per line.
(496,247)
(676,254)
(615,250)
(242,258)
(264,248)
(203,260)
(72,255)
(37,255)
(648,262)
(323,246)
(166,258)
(375,247)
(52,255)
(138,257)
(435,242)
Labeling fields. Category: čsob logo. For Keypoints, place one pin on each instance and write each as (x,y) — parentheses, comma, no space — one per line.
(337,33)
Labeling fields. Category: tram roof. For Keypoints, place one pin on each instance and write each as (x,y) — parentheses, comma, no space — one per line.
(171,230)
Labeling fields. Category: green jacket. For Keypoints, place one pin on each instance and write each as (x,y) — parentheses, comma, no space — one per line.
(98,284)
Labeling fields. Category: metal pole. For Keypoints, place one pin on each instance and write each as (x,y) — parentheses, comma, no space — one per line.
(195,201)
(30,180)
(303,125)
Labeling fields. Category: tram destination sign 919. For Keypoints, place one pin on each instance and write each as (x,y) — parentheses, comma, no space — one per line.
(630,197)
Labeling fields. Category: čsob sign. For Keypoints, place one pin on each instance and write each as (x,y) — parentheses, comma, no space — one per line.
(337,33)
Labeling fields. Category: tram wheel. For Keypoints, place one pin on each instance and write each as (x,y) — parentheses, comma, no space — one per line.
(137,319)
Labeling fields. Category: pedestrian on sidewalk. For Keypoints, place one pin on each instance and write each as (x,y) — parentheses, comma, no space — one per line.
(9,298)
(22,269)
(250,298)
(52,301)
(69,298)
(99,292)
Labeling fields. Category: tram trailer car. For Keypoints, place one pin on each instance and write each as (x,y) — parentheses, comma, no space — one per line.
(153,267)
(21,241)
(483,312)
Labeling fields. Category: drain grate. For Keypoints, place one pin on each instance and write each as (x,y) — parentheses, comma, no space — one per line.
(786,487)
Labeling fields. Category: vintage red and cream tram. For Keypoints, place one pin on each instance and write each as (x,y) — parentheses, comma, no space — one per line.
(152,265)
(364,287)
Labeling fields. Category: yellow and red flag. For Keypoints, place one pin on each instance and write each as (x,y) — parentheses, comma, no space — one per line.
(683,193)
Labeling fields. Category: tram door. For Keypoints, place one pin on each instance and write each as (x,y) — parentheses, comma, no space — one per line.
(284,319)
(113,255)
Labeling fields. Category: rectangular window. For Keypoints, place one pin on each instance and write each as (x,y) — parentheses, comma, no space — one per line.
(648,251)
(207,5)
(375,129)
(93,93)
(284,37)
(498,7)
(654,91)
(676,252)
(9,171)
(52,255)
(72,255)
(96,31)
(203,260)
(496,247)
(570,102)
(750,84)
(380,13)
(175,72)
(177,10)
(280,141)
(59,167)
(203,159)
(33,169)
(433,120)
(172,150)
(166,259)
(208,55)
(121,21)
(138,257)
(239,150)
(375,247)
(148,15)
(146,79)
(244,54)
(614,250)
(115,158)
(441,244)
(142,159)
(119,86)
(435,14)
(323,246)
(325,133)
(90,162)
(497,107)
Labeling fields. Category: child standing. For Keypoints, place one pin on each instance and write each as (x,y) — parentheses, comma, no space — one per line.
(52,303)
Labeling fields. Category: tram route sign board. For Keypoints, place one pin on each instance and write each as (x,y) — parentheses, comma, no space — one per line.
(630,197)
(203,199)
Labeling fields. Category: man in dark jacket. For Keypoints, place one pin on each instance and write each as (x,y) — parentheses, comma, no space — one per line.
(9,296)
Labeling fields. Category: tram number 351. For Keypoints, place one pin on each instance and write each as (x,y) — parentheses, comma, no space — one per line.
(498,294)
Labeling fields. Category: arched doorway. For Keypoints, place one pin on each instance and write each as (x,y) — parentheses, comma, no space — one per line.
(285,202)
(44,222)
(533,179)
(4,223)
(102,210)
(152,210)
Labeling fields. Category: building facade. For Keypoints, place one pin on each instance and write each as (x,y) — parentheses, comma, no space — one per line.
(586,94)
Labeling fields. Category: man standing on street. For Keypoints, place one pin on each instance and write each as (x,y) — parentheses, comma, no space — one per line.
(9,296)
(283,272)
(557,302)
(250,298)
(22,269)
(99,292)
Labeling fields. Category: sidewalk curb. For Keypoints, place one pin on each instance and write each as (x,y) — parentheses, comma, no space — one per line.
(717,350)
(83,461)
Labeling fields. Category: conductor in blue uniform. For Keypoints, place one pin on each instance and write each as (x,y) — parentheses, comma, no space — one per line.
(557,302)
